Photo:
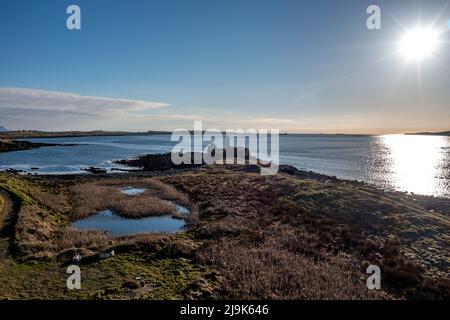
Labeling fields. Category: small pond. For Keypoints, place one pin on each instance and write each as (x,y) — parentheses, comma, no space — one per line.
(119,226)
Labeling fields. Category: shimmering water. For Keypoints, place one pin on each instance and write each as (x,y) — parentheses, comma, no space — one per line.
(413,163)
(419,164)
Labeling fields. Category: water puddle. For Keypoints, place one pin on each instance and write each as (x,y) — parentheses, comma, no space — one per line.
(119,226)
(133,191)
(180,209)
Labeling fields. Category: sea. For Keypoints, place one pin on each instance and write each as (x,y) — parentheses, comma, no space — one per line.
(417,164)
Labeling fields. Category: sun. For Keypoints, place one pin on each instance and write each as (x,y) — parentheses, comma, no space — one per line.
(419,43)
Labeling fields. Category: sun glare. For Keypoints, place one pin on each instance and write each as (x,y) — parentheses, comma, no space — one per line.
(419,43)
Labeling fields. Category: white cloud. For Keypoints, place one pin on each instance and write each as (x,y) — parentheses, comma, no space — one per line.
(13,100)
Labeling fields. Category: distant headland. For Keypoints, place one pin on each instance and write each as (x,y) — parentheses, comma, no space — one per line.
(28,134)
(442,133)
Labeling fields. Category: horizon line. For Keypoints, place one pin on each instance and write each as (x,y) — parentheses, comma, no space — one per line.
(167,131)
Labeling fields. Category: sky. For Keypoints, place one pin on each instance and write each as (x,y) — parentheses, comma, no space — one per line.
(298,66)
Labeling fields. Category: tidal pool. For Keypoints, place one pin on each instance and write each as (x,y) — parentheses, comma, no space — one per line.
(119,226)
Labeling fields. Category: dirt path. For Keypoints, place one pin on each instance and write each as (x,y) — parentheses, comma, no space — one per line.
(6,212)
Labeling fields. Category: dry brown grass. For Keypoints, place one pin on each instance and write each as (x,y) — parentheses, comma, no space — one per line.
(283,262)
(142,206)
(90,239)
(260,230)
(154,187)
(34,234)
(57,202)
(267,271)
(193,218)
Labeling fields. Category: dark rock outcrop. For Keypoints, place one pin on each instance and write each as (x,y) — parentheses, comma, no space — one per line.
(7,145)
(162,162)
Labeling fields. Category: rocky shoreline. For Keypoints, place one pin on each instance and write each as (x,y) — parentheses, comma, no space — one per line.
(163,161)
(155,164)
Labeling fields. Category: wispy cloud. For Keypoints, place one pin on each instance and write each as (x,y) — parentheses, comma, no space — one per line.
(175,117)
(14,100)
(260,121)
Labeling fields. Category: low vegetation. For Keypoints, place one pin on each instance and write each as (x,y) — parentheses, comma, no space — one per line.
(263,227)
(295,235)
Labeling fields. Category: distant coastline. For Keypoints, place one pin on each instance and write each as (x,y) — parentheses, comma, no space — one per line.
(30,134)
(7,145)
(442,133)
(33,134)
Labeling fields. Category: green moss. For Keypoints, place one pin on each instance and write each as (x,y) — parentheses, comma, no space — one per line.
(31,281)
(2,204)
(105,279)
(158,278)
(17,191)
(20,189)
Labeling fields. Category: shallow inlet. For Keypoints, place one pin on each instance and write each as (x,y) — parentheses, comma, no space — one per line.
(116,225)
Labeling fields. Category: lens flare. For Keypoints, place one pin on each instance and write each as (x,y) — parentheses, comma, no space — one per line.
(419,43)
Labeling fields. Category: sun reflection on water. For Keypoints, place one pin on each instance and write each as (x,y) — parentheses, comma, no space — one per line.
(416,163)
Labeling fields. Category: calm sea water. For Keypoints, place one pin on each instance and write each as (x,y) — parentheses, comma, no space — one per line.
(419,164)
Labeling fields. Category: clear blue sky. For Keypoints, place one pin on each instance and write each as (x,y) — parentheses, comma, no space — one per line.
(300,66)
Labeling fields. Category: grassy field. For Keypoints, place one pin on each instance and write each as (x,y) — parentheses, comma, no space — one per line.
(288,236)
